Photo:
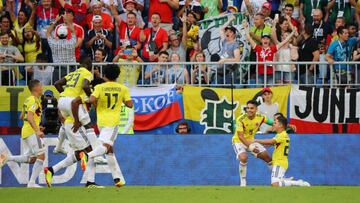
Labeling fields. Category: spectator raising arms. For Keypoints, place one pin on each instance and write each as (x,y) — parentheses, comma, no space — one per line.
(96,8)
(80,9)
(130,7)
(166,9)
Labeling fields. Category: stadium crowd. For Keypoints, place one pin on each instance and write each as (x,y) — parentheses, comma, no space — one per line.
(131,31)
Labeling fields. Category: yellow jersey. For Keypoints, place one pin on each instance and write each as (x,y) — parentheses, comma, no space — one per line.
(110,96)
(74,82)
(249,126)
(281,150)
(129,74)
(31,104)
(84,98)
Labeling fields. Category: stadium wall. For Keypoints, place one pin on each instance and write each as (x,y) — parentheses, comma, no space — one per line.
(321,159)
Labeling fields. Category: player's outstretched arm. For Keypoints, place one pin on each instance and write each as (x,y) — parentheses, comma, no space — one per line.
(59,85)
(75,111)
(268,142)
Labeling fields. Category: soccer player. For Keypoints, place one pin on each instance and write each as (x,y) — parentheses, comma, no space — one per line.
(31,134)
(247,124)
(107,98)
(281,143)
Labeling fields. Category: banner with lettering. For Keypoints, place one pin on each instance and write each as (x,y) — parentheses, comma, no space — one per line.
(324,110)
(212,110)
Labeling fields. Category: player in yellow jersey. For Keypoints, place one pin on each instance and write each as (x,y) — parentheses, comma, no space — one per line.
(247,125)
(107,98)
(31,134)
(281,143)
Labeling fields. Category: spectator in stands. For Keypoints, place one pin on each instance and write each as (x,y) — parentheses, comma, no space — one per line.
(265,53)
(308,7)
(107,6)
(98,38)
(177,46)
(308,51)
(166,8)
(230,52)
(129,74)
(194,6)
(8,54)
(211,8)
(230,9)
(96,8)
(267,107)
(100,56)
(80,9)
(281,25)
(155,39)
(353,28)
(157,74)
(6,27)
(321,28)
(259,28)
(183,128)
(323,70)
(340,8)
(131,7)
(200,74)
(288,11)
(41,72)
(128,30)
(251,8)
(45,14)
(21,21)
(68,19)
(177,74)
(341,51)
(356,57)
(190,31)
(266,11)
(31,45)
(340,21)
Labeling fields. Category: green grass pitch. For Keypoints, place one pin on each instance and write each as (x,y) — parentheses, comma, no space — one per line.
(173,194)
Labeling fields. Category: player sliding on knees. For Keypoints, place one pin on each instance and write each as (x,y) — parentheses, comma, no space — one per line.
(247,124)
(281,143)
(107,98)
(31,134)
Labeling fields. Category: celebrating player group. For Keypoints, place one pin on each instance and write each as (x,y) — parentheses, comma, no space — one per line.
(108,98)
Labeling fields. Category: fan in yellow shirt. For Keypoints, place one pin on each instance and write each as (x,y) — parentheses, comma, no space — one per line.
(108,98)
(247,125)
(31,134)
(281,143)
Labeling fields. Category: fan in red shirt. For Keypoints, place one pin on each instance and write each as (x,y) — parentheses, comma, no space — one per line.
(166,8)
(155,39)
(79,8)
(97,10)
(79,31)
(265,53)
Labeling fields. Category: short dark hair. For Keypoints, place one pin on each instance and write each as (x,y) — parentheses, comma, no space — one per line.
(309,29)
(41,57)
(86,62)
(289,5)
(341,29)
(253,102)
(111,72)
(156,13)
(261,15)
(283,121)
(131,13)
(103,52)
(278,114)
(4,33)
(164,52)
(32,84)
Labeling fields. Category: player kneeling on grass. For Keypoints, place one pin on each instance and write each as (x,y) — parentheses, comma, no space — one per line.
(247,125)
(281,143)
(31,134)
(108,98)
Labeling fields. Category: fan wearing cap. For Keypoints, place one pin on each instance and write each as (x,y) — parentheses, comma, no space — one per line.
(230,9)
(80,9)
(63,50)
(266,11)
(98,38)
(265,53)
(267,107)
(96,8)
(68,18)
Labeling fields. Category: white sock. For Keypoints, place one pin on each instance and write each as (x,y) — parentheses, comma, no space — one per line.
(68,161)
(287,183)
(98,151)
(19,158)
(242,170)
(90,134)
(61,137)
(116,172)
(90,170)
(269,165)
(38,166)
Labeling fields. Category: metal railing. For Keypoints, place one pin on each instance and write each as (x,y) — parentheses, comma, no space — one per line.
(241,74)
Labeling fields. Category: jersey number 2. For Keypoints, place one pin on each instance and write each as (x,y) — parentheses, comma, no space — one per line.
(111,105)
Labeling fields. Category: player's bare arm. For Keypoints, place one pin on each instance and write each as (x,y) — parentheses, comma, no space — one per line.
(267,142)
(30,119)
(86,87)
(129,104)
(75,111)
(21,117)
(59,85)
